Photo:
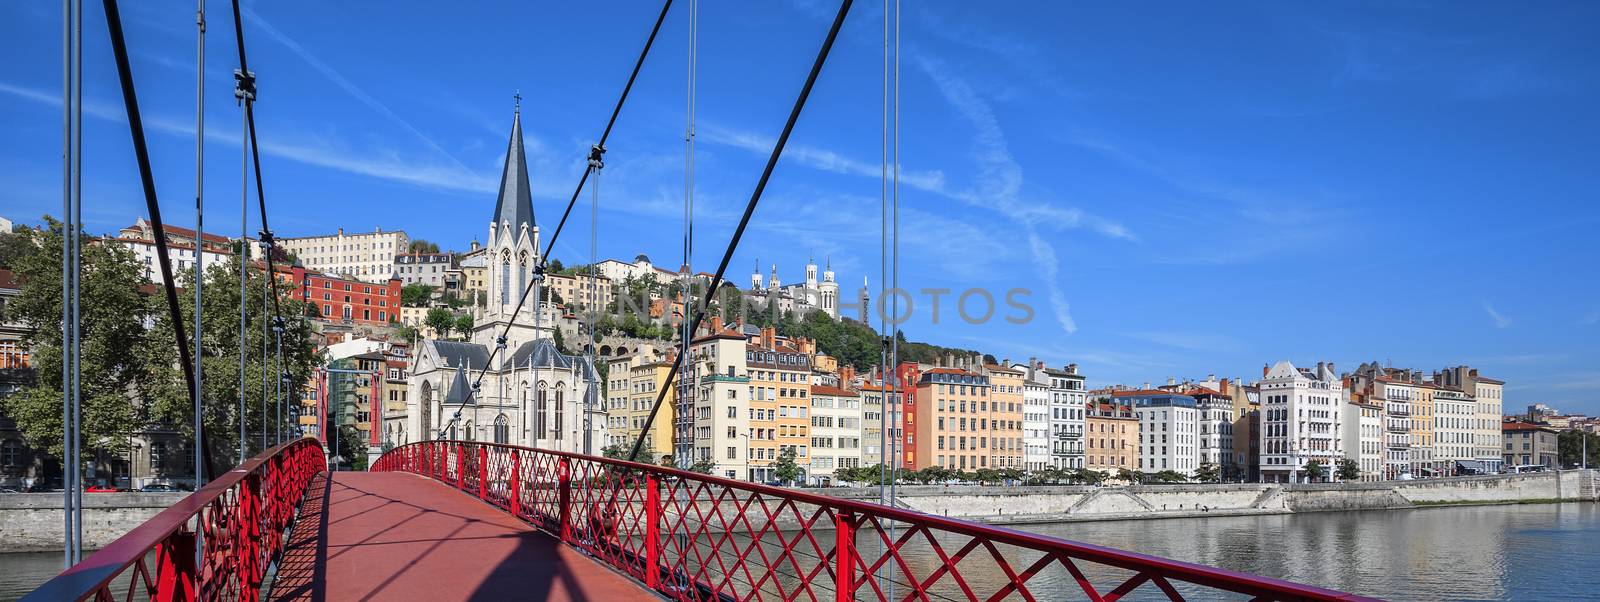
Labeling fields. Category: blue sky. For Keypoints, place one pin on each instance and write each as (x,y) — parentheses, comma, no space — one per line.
(1185,189)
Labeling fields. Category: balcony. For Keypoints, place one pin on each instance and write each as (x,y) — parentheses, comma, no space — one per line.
(308,421)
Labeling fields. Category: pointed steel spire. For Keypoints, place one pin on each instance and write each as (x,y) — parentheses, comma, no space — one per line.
(515,206)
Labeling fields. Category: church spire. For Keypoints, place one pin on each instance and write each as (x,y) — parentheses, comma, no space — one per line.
(515,206)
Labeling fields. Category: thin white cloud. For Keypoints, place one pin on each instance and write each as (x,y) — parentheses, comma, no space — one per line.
(1187,341)
(1500,321)
(345,84)
(1049,267)
(321,153)
(816,158)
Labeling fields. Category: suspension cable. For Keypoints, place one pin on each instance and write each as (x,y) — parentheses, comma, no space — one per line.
(595,152)
(199,229)
(681,451)
(750,208)
(240,93)
(130,101)
(71,115)
(597,165)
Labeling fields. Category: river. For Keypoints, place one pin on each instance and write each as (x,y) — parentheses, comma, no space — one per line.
(1527,552)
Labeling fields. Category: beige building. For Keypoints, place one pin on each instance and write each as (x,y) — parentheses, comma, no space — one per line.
(1454,440)
(368,257)
(836,432)
(1487,437)
(780,406)
(1530,444)
(1005,416)
(1111,438)
(633,382)
(721,424)
(581,291)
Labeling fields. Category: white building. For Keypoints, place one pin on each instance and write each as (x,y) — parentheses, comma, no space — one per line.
(1454,435)
(1168,430)
(1068,399)
(1300,421)
(433,269)
(1487,440)
(1036,439)
(369,257)
(836,432)
(1364,436)
(718,422)
(530,394)
(1215,419)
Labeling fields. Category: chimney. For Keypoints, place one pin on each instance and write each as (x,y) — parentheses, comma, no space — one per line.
(1072,368)
(716,324)
(1264,370)
(1171,381)
(1146,387)
(1225,388)
(1211,378)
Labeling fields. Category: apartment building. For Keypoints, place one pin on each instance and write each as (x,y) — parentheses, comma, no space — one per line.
(779,411)
(1214,419)
(1111,437)
(721,425)
(1169,426)
(438,270)
(1300,420)
(1530,444)
(367,256)
(1068,400)
(1004,413)
(581,291)
(950,427)
(1422,461)
(1487,392)
(633,382)
(347,300)
(1364,435)
(1036,454)
(836,432)
(1454,439)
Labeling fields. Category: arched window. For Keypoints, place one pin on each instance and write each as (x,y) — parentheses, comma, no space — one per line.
(539,411)
(505,280)
(469,433)
(427,406)
(502,429)
(561,406)
(522,275)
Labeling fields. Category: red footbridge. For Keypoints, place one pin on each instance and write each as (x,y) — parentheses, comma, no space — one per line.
(459,520)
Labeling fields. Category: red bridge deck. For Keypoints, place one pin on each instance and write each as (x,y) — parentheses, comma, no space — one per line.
(392,536)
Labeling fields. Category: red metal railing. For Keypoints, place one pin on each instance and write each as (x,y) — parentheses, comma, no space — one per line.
(241,517)
(696,537)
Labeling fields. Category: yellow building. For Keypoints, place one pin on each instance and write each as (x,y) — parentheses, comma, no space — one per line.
(1005,416)
(1111,438)
(645,382)
(780,404)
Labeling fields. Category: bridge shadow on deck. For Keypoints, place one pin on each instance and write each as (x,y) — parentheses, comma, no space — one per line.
(395,536)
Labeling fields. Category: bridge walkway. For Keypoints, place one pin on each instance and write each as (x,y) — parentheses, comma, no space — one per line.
(393,536)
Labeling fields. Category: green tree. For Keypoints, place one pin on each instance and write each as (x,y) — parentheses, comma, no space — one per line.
(1316,470)
(1131,477)
(1569,447)
(114,315)
(1207,473)
(416,294)
(16,244)
(1167,476)
(561,342)
(786,469)
(702,466)
(405,332)
(441,320)
(1349,470)
(419,245)
(464,324)
(620,451)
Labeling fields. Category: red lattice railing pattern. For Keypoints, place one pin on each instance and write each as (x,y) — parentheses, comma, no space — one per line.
(697,537)
(240,517)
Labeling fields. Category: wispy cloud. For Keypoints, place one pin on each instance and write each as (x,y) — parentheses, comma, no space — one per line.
(320,152)
(345,84)
(1187,341)
(816,158)
(1591,319)
(1500,321)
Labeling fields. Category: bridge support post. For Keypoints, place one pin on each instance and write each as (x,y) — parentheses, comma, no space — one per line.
(176,573)
(564,497)
(515,503)
(461,467)
(652,531)
(483,472)
(844,574)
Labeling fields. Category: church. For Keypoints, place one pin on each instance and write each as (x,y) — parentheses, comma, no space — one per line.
(531,394)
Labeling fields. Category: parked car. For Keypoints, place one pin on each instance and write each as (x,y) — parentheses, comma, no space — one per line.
(100,488)
(45,485)
(160,488)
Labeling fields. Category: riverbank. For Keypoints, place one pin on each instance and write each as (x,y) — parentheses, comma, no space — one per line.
(32,522)
(1050,504)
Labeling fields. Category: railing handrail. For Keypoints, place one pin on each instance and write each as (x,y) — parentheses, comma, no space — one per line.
(1185,571)
(98,570)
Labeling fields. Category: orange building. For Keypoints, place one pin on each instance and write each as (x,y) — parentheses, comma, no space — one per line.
(1111,438)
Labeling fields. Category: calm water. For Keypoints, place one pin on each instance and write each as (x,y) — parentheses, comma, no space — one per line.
(1536,552)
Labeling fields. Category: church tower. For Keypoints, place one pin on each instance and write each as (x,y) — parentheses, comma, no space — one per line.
(828,290)
(512,250)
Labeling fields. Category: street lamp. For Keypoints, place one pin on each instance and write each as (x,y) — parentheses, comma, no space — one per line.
(748,470)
